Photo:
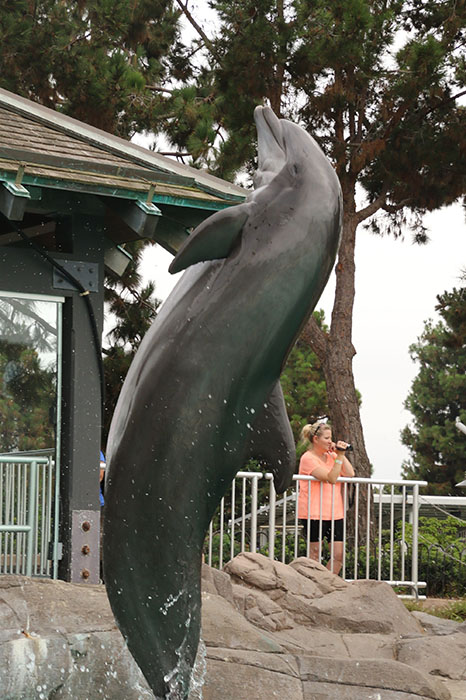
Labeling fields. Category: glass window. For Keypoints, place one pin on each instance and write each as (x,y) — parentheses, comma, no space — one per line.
(29,369)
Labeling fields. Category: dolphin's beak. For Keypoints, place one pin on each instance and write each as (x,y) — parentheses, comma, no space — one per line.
(271,147)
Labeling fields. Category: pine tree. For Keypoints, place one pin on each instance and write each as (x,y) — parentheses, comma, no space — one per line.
(303,385)
(134,308)
(27,377)
(378,84)
(438,397)
(100,61)
(95,60)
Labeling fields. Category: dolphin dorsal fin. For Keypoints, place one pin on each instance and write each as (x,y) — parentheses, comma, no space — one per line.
(212,239)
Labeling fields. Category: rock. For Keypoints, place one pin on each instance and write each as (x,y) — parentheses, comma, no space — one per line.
(456,688)
(437,625)
(224,626)
(333,691)
(443,655)
(286,587)
(270,631)
(245,676)
(370,646)
(372,675)
(258,571)
(313,641)
(278,663)
(364,606)
(323,579)
(261,610)
(217,582)
(321,642)
(53,607)
(59,640)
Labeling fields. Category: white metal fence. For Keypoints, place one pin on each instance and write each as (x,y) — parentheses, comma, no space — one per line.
(380,524)
(28,515)
(380,527)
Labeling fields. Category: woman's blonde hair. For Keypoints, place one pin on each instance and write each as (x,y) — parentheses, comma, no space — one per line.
(310,430)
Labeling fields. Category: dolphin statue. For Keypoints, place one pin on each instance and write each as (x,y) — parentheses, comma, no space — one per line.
(202,394)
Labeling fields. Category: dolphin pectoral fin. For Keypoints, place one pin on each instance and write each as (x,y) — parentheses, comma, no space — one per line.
(272,441)
(213,239)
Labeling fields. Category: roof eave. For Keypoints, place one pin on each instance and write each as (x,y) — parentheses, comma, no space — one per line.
(117,145)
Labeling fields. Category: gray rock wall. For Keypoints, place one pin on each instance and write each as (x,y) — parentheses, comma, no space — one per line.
(271,631)
(59,640)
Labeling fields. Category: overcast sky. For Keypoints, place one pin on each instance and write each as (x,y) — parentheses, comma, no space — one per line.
(396,288)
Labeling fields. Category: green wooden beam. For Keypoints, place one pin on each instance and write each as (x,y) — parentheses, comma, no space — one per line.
(118,192)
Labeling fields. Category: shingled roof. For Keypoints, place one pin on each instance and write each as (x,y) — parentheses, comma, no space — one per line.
(53,146)
(44,150)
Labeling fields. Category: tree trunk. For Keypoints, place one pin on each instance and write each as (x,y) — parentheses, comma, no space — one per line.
(335,351)
(338,361)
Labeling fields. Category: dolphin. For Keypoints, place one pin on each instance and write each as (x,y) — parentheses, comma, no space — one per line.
(203,394)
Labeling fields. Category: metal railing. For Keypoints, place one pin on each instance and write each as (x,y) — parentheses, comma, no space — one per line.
(379,541)
(27,514)
(444,568)
(380,523)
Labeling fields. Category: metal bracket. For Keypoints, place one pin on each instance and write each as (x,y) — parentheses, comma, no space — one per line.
(117,259)
(17,190)
(16,187)
(148,208)
(87,273)
(85,550)
(13,198)
(140,216)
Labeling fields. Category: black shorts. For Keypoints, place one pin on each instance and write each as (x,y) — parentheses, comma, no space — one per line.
(326,530)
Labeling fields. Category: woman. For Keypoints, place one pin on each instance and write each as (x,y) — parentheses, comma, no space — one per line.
(325,461)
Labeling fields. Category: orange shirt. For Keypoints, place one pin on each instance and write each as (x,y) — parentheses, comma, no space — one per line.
(308,463)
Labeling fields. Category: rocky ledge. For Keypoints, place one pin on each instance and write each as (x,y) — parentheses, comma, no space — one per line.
(270,630)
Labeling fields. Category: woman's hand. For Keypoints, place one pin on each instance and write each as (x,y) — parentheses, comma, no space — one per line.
(341,446)
(332,451)
(345,465)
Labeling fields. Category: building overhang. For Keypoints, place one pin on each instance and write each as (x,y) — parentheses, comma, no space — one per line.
(52,165)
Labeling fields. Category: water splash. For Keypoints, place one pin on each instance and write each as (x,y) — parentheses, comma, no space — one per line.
(198,673)
(178,678)
(182,679)
(171,600)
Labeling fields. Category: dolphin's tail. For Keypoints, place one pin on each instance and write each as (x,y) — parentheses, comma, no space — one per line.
(153,585)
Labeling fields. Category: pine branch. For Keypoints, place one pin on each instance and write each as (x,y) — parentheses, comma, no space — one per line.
(138,297)
(81,37)
(315,337)
(193,52)
(174,154)
(156,88)
(441,104)
(365,152)
(218,132)
(198,28)
(371,208)
(169,115)
(28,311)
(393,208)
